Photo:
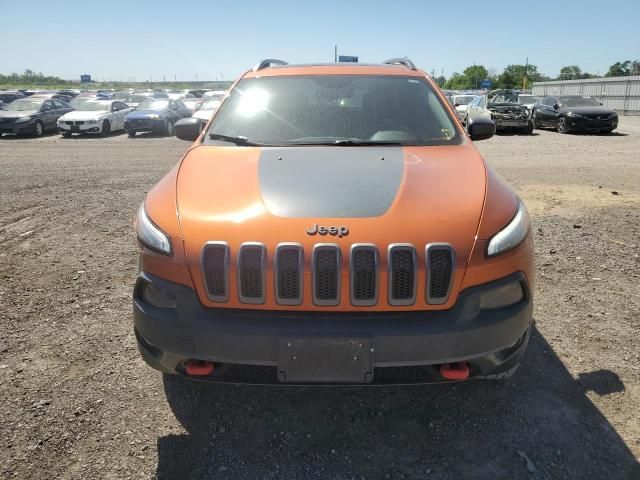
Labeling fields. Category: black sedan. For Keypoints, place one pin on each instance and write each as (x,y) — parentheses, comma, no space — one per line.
(32,115)
(155,115)
(574,113)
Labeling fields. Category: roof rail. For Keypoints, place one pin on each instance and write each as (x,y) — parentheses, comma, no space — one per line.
(267,62)
(401,61)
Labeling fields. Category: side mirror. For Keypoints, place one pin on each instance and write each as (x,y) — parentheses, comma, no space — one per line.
(556,106)
(188,129)
(456,104)
(480,128)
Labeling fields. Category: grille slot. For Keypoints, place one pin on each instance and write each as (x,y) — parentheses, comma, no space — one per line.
(288,274)
(215,268)
(440,265)
(326,274)
(402,274)
(251,269)
(364,275)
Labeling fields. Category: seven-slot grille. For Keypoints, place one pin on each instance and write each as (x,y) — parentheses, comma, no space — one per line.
(326,273)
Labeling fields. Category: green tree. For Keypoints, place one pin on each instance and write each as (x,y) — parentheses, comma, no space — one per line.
(456,81)
(474,75)
(441,80)
(619,69)
(570,72)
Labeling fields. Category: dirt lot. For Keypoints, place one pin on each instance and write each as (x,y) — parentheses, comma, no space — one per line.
(76,401)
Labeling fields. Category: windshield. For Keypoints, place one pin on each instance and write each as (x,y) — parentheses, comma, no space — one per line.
(218,97)
(325,109)
(153,104)
(463,100)
(93,107)
(23,106)
(528,100)
(578,102)
(503,96)
(79,101)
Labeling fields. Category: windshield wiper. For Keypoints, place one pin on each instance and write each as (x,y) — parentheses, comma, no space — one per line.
(240,141)
(354,142)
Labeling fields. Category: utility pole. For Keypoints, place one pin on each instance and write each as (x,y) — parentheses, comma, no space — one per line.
(526,68)
(335,54)
(475,75)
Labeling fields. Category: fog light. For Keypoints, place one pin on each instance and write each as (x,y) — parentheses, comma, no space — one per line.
(502,297)
(153,296)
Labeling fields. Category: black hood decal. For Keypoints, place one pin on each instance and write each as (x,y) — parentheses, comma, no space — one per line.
(330,182)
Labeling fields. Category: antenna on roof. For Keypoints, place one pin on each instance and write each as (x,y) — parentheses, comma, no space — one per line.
(267,63)
(401,61)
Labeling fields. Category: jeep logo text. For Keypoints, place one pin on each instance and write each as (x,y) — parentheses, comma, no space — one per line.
(330,230)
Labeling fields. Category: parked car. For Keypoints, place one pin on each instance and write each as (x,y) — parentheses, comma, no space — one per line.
(460,103)
(302,242)
(206,111)
(6,97)
(95,116)
(155,115)
(82,98)
(131,98)
(574,113)
(214,95)
(503,108)
(33,115)
(192,103)
(528,100)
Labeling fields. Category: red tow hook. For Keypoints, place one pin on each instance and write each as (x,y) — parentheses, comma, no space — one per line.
(455,371)
(198,367)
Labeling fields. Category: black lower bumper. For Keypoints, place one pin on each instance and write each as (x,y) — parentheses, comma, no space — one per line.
(249,346)
(591,125)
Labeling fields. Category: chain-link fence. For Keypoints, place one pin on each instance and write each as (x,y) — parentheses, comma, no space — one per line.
(619,93)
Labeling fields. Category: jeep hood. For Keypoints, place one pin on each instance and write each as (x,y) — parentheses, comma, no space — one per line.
(382,195)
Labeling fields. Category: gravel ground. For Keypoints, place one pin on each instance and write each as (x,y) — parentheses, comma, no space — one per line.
(76,401)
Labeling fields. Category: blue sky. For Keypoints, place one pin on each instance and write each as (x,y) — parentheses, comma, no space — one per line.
(145,39)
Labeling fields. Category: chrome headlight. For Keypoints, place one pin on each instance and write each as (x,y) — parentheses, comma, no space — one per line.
(150,235)
(513,234)
(574,115)
(24,119)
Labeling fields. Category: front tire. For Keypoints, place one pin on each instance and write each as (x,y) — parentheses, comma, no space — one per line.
(534,120)
(66,134)
(561,125)
(168,129)
(38,130)
(528,130)
(106,129)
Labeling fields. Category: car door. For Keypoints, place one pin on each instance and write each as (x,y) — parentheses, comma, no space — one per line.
(542,114)
(49,115)
(552,112)
(118,112)
(482,107)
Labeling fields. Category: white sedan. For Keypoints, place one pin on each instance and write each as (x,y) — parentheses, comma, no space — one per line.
(94,116)
(206,111)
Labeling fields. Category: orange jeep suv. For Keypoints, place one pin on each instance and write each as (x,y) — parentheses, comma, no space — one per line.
(333,224)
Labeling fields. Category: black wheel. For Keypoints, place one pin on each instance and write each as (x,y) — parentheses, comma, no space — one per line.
(607,131)
(131,133)
(106,129)
(38,130)
(168,129)
(66,134)
(528,130)
(561,126)
(534,120)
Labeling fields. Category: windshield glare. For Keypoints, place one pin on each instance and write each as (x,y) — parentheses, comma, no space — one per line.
(93,107)
(153,104)
(578,102)
(324,109)
(23,106)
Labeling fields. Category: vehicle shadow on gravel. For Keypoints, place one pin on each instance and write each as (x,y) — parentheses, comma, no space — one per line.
(92,136)
(541,424)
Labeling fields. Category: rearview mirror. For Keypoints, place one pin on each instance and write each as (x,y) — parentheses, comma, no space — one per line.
(480,128)
(188,128)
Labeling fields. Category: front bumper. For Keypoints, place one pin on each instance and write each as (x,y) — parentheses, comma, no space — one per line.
(17,128)
(406,347)
(591,125)
(144,125)
(80,128)
(504,123)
